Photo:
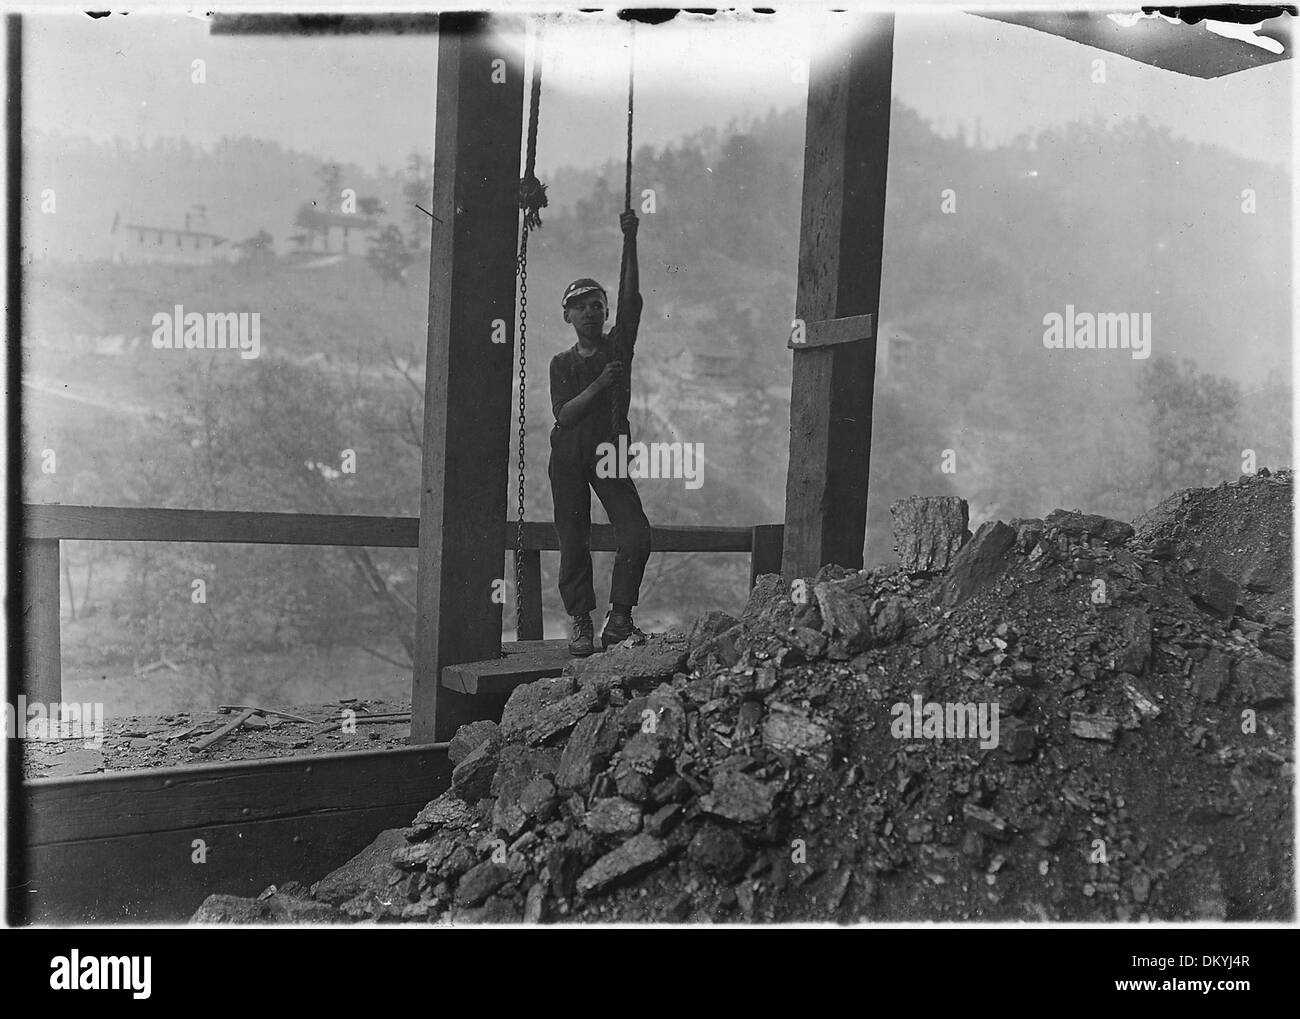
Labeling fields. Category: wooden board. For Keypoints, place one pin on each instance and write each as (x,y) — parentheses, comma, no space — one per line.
(1183,47)
(119,846)
(161,799)
(152,878)
(541,535)
(841,242)
(478,128)
(836,330)
(131,523)
(42,676)
(766,556)
(499,676)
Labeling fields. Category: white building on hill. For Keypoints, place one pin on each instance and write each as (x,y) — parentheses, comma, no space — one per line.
(138,238)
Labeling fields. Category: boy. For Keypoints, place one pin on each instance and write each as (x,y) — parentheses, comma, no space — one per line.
(590,395)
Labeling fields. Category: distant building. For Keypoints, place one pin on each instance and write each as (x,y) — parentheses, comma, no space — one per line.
(895,348)
(137,239)
(332,233)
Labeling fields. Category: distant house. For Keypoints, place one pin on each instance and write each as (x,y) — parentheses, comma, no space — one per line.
(332,233)
(138,238)
(895,347)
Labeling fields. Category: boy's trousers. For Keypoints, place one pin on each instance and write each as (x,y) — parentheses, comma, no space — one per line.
(573,477)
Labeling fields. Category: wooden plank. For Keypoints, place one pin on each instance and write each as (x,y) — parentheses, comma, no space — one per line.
(15,200)
(1181,47)
(42,676)
(476,163)
(541,535)
(840,247)
(229,792)
(130,523)
(766,557)
(836,330)
(153,877)
(517,647)
(323,24)
(499,676)
(529,625)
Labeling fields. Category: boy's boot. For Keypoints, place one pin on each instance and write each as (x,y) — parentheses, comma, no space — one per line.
(583,634)
(618,627)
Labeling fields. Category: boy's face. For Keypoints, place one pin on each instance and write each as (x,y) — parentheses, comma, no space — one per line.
(587,315)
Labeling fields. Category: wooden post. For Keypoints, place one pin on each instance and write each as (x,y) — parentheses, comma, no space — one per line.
(841,241)
(42,675)
(467,401)
(765,553)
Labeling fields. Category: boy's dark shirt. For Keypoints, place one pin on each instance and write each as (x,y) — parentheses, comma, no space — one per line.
(571,373)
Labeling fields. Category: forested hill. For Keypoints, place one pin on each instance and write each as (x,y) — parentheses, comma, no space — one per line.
(981,243)
(1105,216)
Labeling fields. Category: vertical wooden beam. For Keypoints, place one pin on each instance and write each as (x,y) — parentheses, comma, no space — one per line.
(529,626)
(16,867)
(765,552)
(467,380)
(42,675)
(841,242)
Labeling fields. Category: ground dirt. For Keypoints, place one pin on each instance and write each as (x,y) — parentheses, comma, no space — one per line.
(168,741)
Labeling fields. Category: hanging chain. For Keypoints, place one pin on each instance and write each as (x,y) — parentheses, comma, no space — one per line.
(532,198)
(523,432)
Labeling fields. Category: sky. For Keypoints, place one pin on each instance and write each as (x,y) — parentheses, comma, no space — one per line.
(369,101)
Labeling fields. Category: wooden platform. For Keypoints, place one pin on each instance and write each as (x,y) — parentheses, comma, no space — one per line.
(522,662)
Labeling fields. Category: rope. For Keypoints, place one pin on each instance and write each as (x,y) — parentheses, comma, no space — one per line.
(532,192)
(631,63)
(532,198)
(616,389)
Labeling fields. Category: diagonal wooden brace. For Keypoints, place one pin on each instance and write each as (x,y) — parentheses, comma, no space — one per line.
(828,332)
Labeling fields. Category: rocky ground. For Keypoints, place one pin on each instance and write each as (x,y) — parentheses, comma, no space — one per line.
(810,761)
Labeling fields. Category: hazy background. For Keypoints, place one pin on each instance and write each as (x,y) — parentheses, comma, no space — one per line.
(1122,196)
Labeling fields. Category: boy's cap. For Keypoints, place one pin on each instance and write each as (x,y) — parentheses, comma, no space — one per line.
(579,287)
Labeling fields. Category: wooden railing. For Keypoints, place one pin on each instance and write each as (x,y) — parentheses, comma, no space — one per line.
(44,526)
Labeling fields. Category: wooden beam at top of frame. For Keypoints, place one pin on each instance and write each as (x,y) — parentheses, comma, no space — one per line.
(323,24)
(1183,48)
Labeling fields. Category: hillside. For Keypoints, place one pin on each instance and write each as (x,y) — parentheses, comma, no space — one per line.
(1114,216)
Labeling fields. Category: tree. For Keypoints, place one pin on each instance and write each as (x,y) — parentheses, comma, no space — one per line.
(417,191)
(389,255)
(330,176)
(1193,427)
(258,251)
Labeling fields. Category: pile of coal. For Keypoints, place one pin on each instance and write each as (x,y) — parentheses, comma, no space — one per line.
(1051,719)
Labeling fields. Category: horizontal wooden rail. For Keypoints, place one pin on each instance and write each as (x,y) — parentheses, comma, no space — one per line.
(44,526)
(130,523)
